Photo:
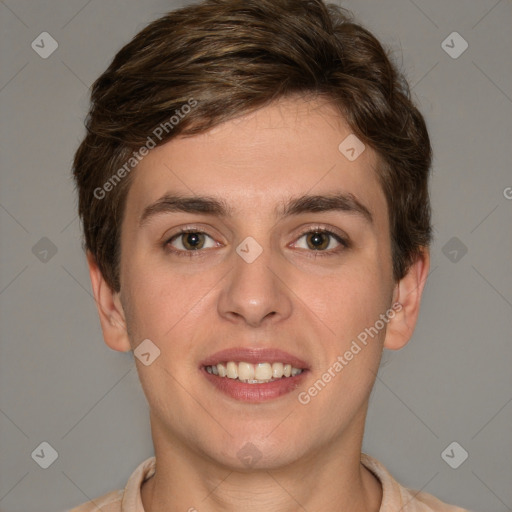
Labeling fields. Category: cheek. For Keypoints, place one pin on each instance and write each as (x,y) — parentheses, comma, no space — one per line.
(165,304)
(349,342)
(350,300)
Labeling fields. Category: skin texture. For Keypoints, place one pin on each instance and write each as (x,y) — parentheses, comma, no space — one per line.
(291,297)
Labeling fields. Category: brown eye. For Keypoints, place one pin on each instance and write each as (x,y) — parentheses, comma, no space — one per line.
(186,242)
(192,241)
(317,240)
(322,240)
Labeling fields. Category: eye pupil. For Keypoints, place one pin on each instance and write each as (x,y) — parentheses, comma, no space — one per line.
(318,240)
(192,240)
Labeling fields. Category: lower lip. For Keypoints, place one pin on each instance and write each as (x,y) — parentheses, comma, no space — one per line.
(255,392)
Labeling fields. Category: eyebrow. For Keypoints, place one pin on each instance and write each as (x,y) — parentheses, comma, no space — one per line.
(171,203)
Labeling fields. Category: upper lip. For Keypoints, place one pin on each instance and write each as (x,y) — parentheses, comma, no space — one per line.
(254,356)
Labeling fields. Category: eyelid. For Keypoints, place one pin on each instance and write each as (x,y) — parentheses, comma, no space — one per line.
(192,228)
(325,229)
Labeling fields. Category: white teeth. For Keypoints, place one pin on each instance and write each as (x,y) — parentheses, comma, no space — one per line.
(277,370)
(222,370)
(232,370)
(263,371)
(253,373)
(245,371)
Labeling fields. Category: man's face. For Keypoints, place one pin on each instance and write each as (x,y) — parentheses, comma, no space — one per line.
(262,279)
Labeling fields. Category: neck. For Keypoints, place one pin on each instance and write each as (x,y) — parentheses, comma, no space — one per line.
(330,479)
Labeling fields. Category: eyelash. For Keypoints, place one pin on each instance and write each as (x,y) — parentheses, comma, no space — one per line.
(190,254)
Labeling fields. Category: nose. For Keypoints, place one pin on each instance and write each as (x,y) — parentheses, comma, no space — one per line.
(255,291)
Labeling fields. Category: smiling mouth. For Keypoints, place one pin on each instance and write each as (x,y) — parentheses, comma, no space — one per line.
(248,373)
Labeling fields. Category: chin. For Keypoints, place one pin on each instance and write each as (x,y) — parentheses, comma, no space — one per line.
(250,453)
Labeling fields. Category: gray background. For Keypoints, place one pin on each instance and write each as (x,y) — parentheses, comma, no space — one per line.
(61,384)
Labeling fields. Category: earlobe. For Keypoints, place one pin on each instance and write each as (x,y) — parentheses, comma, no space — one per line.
(408,292)
(110,310)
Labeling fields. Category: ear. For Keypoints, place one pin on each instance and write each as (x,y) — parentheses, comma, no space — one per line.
(407,294)
(112,317)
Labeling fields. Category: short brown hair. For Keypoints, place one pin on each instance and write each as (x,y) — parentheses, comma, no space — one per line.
(232,57)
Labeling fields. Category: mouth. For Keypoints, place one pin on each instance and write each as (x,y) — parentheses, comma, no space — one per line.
(254,375)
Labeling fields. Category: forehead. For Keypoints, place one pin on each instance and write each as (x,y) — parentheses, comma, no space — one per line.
(256,162)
